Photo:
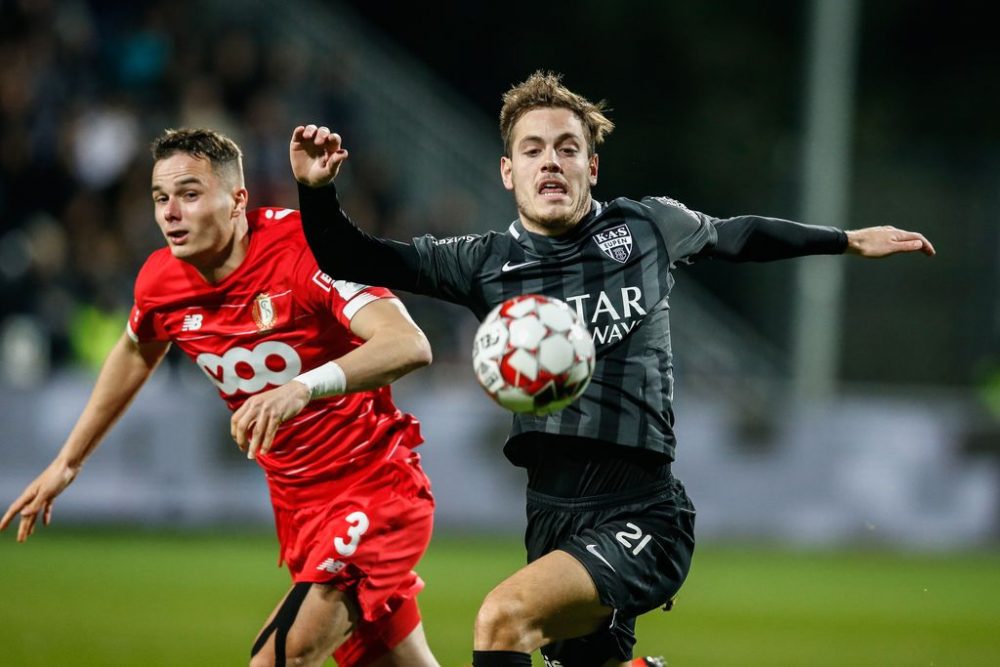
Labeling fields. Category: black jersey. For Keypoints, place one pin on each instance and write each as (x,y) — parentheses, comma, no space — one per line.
(614,267)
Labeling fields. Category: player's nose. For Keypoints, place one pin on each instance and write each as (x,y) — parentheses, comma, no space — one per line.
(171,210)
(551,163)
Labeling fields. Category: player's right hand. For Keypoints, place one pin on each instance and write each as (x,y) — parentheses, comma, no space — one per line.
(254,425)
(37,499)
(316,154)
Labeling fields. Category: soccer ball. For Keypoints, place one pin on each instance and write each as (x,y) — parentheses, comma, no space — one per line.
(532,354)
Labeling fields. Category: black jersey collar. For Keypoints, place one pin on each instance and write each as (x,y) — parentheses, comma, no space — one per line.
(539,241)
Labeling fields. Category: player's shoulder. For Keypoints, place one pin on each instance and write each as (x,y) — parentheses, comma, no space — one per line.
(460,245)
(277,232)
(456,240)
(159,270)
(665,201)
(165,281)
(274,220)
(660,210)
(655,203)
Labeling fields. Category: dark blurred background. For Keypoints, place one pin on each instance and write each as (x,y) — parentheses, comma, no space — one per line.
(709,105)
(711,102)
(707,97)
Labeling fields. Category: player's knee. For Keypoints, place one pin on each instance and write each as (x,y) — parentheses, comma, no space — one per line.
(264,658)
(504,622)
(298,650)
(302,650)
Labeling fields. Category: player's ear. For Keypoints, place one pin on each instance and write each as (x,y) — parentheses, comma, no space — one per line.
(593,169)
(505,172)
(240,198)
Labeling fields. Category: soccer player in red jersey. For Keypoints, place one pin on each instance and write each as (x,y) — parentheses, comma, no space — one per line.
(304,361)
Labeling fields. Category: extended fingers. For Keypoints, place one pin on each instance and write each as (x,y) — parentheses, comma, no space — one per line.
(914,241)
(15,507)
(26,527)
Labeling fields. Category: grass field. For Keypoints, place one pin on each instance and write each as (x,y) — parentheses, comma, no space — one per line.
(103,598)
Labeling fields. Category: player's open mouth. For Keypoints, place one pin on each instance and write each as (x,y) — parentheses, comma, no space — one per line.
(178,236)
(552,189)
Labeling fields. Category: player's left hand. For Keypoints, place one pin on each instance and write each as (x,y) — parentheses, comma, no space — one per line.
(316,155)
(885,241)
(255,424)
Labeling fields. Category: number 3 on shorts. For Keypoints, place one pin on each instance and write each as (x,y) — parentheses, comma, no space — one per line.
(359,521)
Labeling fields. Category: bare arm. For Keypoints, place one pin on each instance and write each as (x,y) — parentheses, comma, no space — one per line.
(393,347)
(125,370)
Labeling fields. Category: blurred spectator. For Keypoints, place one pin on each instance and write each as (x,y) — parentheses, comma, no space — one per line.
(84,85)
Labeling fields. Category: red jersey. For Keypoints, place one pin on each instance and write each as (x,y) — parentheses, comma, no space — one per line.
(277,315)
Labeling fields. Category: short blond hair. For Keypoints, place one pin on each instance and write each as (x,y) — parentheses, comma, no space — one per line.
(545,90)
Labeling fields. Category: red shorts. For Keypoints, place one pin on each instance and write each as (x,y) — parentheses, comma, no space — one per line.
(365,541)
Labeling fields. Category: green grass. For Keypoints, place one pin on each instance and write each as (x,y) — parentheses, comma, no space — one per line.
(106,598)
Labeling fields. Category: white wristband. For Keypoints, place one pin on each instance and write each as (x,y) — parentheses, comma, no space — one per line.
(325,380)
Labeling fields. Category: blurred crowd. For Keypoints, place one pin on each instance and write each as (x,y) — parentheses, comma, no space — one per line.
(85,85)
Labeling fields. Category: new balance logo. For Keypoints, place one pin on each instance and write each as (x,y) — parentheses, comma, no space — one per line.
(330,565)
(192,322)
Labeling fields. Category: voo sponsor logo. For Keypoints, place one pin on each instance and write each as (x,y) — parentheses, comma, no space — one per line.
(250,370)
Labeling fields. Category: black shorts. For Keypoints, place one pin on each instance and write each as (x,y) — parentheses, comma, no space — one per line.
(636,545)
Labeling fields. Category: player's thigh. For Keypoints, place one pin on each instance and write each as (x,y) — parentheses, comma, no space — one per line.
(306,627)
(553,596)
(411,652)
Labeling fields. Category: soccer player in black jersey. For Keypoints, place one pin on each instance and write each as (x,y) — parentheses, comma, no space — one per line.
(610,530)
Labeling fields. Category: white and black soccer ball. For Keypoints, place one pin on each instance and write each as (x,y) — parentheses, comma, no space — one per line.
(533,354)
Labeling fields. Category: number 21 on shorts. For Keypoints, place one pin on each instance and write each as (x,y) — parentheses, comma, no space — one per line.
(359,524)
(634,533)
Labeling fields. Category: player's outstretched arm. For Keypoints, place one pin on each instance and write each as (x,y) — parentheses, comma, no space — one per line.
(341,248)
(316,154)
(751,238)
(884,241)
(126,368)
(394,345)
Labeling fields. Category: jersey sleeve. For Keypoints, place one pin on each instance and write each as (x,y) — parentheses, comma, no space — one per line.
(448,265)
(343,249)
(341,298)
(753,238)
(692,235)
(143,323)
(686,233)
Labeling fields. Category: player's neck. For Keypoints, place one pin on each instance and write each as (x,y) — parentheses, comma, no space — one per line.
(556,227)
(231,257)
